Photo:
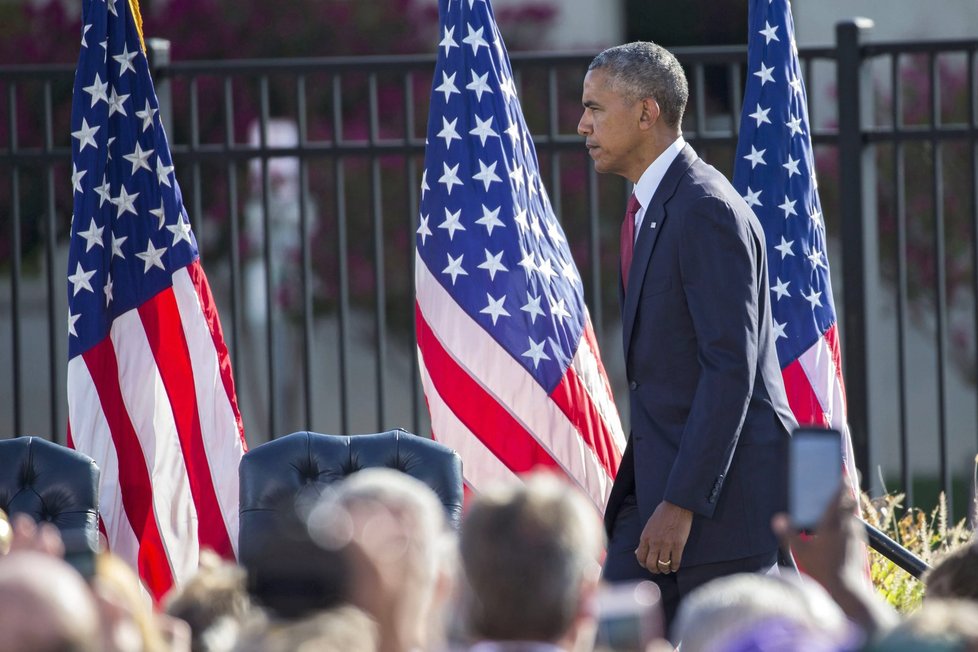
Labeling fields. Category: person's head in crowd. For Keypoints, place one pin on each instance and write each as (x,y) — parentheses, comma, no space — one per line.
(214,603)
(128,621)
(529,555)
(404,552)
(6,533)
(747,608)
(45,606)
(956,576)
(938,626)
(291,576)
(341,629)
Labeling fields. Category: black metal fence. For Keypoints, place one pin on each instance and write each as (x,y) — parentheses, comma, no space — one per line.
(301,177)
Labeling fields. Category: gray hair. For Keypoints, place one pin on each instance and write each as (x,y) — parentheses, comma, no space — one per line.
(526,552)
(643,69)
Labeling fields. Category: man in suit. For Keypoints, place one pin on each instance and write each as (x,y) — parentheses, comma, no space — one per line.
(704,469)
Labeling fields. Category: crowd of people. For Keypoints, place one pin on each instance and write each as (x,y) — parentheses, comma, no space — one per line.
(375,565)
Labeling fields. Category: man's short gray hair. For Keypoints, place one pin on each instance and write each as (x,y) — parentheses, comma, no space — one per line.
(526,552)
(643,69)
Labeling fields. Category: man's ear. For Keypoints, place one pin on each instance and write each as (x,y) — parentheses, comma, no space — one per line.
(650,113)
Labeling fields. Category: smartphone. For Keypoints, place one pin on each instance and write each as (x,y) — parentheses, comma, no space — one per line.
(814,474)
(629,617)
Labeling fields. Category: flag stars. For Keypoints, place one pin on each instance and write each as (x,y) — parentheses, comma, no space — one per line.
(769,32)
(546,270)
(816,217)
(532,308)
(159,214)
(483,129)
(117,103)
(785,248)
(536,352)
(528,263)
(493,264)
(495,308)
(147,115)
(152,257)
(424,230)
(753,197)
(139,158)
(788,207)
(72,319)
(760,115)
(85,135)
(570,273)
(454,268)
(448,40)
(513,131)
(117,246)
(125,60)
(516,176)
(507,87)
(792,166)
(781,289)
(479,85)
(755,157)
(765,74)
(125,203)
(424,183)
(448,131)
(450,178)
(98,89)
(92,236)
(448,86)
(795,126)
(779,330)
(487,174)
(814,298)
(490,219)
(107,289)
(81,280)
(559,310)
(475,39)
(84,34)
(795,84)
(103,191)
(815,257)
(76,177)
(452,223)
(163,172)
(180,230)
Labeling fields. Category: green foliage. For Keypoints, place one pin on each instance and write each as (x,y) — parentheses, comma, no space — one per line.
(929,536)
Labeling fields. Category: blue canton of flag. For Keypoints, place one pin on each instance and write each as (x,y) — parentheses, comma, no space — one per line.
(129,229)
(775,172)
(500,301)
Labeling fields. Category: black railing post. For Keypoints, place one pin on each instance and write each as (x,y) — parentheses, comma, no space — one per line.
(858,229)
(158,56)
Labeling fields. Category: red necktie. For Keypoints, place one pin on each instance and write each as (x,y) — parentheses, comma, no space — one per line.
(628,238)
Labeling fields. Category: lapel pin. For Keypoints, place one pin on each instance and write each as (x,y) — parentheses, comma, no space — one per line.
(652,225)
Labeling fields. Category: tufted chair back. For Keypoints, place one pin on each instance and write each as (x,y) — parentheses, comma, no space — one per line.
(298,467)
(49,482)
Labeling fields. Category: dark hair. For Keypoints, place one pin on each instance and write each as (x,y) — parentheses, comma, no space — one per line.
(643,69)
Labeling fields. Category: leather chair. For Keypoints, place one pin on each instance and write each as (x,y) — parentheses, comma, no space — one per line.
(288,573)
(297,468)
(50,483)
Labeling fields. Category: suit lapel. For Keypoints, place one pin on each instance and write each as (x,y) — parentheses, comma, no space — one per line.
(655,216)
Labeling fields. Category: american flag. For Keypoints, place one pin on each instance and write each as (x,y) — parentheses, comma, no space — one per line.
(775,172)
(150,392)
(509,362)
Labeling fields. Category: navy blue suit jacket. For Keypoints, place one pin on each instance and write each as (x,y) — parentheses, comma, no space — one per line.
(709,414)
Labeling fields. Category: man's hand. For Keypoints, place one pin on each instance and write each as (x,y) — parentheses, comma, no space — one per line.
(660,548)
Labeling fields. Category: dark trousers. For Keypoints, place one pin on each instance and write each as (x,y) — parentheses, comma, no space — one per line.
(621,565)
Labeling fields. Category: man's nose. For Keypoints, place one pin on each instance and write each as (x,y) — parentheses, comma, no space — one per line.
(584,125)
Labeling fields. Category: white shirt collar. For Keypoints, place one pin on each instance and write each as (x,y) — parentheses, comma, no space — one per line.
(649,182)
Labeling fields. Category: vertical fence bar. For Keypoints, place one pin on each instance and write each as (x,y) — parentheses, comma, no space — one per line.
(858,232)
(699,86)
(973,131)
(50,247)
(900,254)
(735,97)
(158,56)
(553,121)
(342,253)
(377,211)
(305,233)
(410,180)
(234,226)
(266,221)
(594,233)
(940,277)
(15,265)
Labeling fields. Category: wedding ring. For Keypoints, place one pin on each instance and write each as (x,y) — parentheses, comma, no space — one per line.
(663,563)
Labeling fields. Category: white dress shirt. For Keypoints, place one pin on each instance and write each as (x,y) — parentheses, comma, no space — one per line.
(649,182)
